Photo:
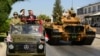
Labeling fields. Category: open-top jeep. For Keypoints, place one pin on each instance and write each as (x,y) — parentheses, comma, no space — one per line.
(27,40)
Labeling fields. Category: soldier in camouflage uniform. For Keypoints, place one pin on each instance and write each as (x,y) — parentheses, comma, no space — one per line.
(15,20)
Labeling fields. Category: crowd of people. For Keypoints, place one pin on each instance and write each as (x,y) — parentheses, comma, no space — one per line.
(22,18)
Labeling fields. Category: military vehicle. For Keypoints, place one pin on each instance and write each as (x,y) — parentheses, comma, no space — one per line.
(71,30)
(26,40)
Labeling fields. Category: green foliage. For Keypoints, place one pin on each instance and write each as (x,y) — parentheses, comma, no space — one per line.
(5,9)
(11,2)
(57,11)
(43,17)
(5,26)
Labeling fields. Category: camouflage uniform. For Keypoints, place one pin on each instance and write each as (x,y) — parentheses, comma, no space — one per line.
(15,20)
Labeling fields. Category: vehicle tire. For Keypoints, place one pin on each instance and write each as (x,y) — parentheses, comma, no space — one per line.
(54,36)
(88,40)
(95,25)
(54,41)
(49,32)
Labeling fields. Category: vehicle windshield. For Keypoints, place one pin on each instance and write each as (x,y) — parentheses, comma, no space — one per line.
(25,29)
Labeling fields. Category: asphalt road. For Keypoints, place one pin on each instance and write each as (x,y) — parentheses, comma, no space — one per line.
(84,50)
(67,50)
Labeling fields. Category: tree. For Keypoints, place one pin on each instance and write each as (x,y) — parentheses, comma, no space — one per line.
(5,9)
(5,26)
(43,17)
(57,11)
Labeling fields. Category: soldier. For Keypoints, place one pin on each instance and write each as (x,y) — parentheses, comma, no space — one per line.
(67,14)
(15,20)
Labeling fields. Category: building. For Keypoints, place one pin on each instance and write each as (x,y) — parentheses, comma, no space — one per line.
(90,13)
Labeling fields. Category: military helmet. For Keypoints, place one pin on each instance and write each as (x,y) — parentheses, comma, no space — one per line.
(15,13)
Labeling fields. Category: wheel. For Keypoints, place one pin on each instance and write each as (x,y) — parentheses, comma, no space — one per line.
(84,41)
(95,25)
(54,41)
(88,40)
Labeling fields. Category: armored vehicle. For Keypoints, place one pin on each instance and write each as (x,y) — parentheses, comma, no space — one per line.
(26,40)
(71,30)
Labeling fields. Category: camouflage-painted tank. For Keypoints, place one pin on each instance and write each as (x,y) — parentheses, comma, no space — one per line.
(26,40)
(70,29)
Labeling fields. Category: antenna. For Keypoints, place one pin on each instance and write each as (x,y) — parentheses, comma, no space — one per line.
(72,5)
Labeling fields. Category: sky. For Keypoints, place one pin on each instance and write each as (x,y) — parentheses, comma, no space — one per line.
(46,6)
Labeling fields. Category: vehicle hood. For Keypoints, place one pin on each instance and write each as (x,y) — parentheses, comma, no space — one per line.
(26,37)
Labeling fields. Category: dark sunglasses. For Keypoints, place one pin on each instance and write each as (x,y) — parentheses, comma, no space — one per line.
(15,14)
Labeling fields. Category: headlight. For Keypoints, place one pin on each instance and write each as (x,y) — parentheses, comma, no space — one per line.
(40,46)
(11,46)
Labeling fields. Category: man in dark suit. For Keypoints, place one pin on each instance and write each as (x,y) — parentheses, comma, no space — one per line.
(31,17)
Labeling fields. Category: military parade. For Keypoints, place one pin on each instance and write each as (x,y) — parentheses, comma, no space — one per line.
(68,32)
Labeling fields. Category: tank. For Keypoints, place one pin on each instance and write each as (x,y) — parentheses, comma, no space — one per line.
(26,40)
(71,30)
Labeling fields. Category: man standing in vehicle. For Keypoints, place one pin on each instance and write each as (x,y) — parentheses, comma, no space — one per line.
(15,20)
(22,16)
(31,17)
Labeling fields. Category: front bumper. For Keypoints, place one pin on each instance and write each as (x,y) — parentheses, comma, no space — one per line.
(72,37)
(30,50)
(26,54)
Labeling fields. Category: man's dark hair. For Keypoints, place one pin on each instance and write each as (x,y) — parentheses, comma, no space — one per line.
(29,10)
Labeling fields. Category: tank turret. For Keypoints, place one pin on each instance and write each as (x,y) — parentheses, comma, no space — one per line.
(70,17)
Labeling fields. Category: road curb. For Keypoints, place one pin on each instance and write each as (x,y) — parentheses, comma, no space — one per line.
(98,36)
